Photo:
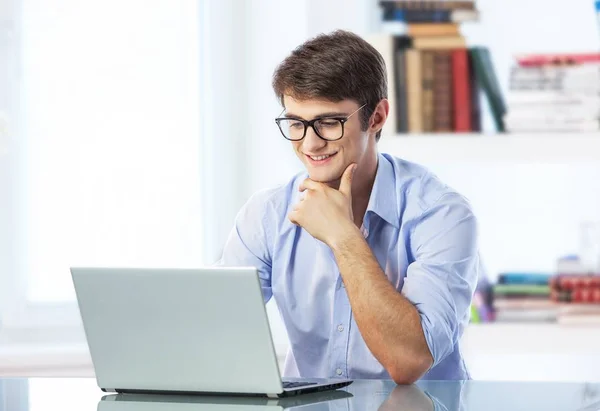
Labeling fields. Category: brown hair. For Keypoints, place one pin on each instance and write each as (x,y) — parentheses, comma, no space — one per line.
(336,66)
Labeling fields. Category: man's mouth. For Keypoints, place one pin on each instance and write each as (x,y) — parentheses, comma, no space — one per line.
(321,158)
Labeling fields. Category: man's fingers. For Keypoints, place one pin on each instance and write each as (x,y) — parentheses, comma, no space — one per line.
(293,217)
(346,181)
(309,184)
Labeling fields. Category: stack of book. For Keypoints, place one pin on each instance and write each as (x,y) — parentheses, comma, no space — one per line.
(578,296)
(442,16)
(554,93)
(435,80)
(523,297)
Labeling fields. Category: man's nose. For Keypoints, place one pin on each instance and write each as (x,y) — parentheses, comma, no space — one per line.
(312,142)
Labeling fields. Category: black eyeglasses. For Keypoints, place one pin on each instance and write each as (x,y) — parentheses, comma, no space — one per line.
(327,128)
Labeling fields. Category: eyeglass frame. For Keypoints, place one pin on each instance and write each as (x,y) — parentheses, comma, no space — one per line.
(311,123)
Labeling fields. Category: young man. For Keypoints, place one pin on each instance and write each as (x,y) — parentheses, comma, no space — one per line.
(371,259)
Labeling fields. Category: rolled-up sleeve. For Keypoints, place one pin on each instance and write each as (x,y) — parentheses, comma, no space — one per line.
(441,280)
(248,242)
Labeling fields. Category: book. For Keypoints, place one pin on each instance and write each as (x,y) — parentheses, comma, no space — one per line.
(556,59)
(442,89)
(475,88)
(414,91)
(433,29)
(524,278)
(538,315)
(487,79)
(402,43)
(430,16)
(583,319)
(461,93)
(439,42)
(521,289)
(392,48)
(429,4)
(572,281)
(574,288)
(427,73)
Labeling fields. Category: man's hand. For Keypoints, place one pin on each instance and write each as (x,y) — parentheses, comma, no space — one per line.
(326,213)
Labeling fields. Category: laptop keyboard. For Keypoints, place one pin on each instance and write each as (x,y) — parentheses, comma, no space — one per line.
(296,384)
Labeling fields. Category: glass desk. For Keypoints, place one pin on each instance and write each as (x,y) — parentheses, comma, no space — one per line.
(82,394)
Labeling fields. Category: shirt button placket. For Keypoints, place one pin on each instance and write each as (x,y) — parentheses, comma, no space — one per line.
(340,336)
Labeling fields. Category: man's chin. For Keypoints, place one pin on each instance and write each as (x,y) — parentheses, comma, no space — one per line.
(325,178)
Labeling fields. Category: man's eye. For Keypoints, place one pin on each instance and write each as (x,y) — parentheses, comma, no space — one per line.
(328,123)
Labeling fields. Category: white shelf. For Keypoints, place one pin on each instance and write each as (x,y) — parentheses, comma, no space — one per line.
(530,148)
(532,352)
(532,339)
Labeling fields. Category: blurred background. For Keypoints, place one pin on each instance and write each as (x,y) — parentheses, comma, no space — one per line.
(132,132)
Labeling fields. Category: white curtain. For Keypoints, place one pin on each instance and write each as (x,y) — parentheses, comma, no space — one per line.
(103,166)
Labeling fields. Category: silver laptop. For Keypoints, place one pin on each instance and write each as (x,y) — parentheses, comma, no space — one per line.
(182,331)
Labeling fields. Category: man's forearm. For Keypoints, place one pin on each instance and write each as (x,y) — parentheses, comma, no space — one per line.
(388,322)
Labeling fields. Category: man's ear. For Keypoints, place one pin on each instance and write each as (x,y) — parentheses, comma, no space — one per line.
(379,116)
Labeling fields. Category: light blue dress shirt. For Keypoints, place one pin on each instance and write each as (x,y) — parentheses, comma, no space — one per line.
(424,236)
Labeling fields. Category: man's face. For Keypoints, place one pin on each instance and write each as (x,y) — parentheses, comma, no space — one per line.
(324,160)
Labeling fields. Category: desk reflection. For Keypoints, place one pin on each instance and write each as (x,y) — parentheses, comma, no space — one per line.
(76,394)
(407,397)
(382,396)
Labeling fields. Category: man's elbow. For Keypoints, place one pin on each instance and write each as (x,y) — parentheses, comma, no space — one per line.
(411,369)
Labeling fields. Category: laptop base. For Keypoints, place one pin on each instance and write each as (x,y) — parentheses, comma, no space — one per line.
(286,392)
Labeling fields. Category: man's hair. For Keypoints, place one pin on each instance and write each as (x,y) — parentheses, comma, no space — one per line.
(335,67)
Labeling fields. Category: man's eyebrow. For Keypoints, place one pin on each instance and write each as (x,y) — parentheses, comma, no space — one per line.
(327,114)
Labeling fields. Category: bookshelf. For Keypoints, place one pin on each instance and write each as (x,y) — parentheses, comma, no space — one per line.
(475,148)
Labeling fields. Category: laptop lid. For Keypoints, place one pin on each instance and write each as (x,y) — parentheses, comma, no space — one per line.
(177,329)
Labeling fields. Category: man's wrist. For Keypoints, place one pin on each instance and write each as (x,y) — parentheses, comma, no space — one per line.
(343,237)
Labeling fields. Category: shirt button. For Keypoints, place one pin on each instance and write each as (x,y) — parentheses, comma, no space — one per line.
(340,328)
(338,371)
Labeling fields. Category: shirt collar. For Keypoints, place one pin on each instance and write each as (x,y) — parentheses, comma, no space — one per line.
(384,197)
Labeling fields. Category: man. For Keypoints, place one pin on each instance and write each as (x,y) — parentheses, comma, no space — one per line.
(371,259)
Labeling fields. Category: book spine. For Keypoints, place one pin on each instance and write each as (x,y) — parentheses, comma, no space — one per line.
(414,90)
(536,60)
(527,289)
(433,29)
(428,93)
(401,92)
(486,75)
(461,91)
(524,278)
(432,5)
(571,281)
(578,295)
(442,89)
(475,95)
(419,16)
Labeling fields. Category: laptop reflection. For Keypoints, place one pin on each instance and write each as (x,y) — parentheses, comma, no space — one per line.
(319,401)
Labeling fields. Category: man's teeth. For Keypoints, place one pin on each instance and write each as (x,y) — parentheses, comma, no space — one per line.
(319,158)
